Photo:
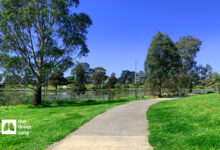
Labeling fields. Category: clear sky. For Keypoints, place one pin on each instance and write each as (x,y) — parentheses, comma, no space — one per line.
(123,29)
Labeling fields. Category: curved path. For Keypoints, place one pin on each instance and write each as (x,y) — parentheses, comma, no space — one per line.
(123,127)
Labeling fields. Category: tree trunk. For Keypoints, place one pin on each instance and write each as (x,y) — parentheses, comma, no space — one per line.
(190,87)
(46,89)
(109,96)
(37,95)
(56,88)
(160,90)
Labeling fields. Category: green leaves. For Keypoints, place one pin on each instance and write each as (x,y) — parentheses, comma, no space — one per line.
(162,60)
(44,35)
(162,57)
(81,73)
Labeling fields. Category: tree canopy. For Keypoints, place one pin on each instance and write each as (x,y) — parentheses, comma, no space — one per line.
(112,80)
(99,76)
(188,47)
(127,77)
(162,60)
(42,35)
(81,73)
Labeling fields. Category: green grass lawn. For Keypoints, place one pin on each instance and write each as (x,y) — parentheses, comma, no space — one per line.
(50,123)
(191,123)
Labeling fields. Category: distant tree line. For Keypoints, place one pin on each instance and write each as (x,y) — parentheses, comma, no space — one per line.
(83,75)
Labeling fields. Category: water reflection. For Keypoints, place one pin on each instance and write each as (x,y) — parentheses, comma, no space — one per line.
(23,97)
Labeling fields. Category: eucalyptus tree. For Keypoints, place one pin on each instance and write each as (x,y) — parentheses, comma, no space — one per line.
(162,61)
(188,48)
(205,74)
(43,34)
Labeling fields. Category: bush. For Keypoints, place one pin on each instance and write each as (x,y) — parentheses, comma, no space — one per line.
(118,86)
(126,86)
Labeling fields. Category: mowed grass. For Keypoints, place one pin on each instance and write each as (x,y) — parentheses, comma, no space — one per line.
(50,123)
(191,123)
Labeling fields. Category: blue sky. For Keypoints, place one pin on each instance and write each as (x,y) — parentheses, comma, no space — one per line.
(123,29)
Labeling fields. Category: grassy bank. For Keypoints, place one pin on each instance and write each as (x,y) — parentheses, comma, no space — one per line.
(51,122)
(186,123)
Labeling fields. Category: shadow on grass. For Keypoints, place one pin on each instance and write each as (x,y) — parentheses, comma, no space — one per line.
(72,103)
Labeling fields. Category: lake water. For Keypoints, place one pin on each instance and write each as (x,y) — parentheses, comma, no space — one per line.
(25,97)
(19,97)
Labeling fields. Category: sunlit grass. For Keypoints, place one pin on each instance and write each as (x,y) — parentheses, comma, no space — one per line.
(51,121)
(186,123)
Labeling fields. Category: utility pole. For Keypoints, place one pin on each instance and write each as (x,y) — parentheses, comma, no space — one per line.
(135,80)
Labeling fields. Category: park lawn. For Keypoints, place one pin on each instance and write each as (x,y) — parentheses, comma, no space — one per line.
(187,123)
(50,123)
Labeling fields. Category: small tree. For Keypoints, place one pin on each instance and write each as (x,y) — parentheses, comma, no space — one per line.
(216,81)
(127,77)
(205,73)
(81,74)
(99,76)
(112,80)
(141,77)
(162,60)
(57,78)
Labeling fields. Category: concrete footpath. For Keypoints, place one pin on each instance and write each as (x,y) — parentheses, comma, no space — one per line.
(123,127)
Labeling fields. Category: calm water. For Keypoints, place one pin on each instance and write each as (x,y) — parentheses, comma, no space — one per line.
(25,97)
(20,97)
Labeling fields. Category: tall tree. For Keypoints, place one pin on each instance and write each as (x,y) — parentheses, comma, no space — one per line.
(99,76)
(188,48)
(162,60)
(81,73)
(44,35)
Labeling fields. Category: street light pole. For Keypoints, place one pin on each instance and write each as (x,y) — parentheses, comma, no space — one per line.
(135,80)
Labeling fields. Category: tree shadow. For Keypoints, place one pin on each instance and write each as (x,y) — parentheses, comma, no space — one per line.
(74,103)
